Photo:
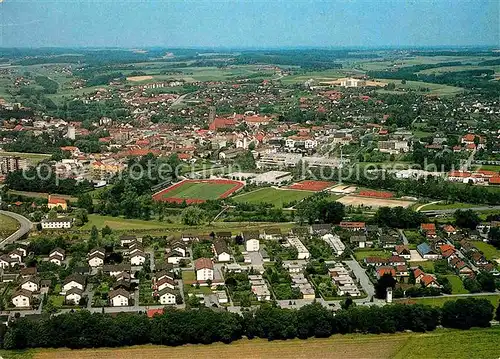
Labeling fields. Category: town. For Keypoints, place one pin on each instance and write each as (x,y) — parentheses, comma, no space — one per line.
(228,184)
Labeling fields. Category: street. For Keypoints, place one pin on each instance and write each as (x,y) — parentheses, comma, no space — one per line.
(25,227)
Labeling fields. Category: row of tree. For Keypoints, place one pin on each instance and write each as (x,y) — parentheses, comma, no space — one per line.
(177,327)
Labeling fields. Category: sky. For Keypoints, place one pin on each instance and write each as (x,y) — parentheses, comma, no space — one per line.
(248,23)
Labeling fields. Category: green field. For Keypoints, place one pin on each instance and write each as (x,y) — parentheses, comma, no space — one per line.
(439,301)
(489,251)
(435,89)
(120,223)
(428,266)
(441,343)
(277,197)
(487,168)
(8,225)
(199,190)
(362,254)
(456,284)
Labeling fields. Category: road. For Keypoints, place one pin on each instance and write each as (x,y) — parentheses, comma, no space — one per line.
(360,274)
(25,227)
(467,163)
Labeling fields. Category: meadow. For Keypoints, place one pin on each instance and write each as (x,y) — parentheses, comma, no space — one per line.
(8,226)
(489,251)
(439,301)
(442,343)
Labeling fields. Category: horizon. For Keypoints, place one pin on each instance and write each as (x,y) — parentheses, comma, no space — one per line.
(251,24)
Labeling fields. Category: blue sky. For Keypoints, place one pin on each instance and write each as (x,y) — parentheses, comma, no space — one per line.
(248,23)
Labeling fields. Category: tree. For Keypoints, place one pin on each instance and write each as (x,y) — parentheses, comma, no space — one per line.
(498,313)
(486,281)
(106,231)
(386,281)
(85,201)
(494,236)
(391,86)
(467,313)
(466,219)
(193,215)
(94,234)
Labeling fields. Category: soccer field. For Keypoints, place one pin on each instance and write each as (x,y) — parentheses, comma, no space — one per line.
(195,191)
(277,197)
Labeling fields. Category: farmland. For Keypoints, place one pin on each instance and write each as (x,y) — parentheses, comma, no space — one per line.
(439,301)
(456,284)
(474,343)
(33,158)
(193,191)
(275,196)
(362,254)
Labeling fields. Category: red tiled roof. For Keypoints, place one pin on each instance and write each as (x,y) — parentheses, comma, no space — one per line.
(202,263)
(427,279)
(386,270)
(428,226)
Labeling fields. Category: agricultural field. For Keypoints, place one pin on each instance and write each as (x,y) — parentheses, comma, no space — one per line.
(8,226)
(435,89)
(489,251)
(119,223)
(373,202)
(427,266)
(195,191)
(474,343)
(275,196)
(439,301)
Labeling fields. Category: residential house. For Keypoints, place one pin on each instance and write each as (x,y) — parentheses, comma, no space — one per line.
(167,296)
(73,281)
(358,241)
(271,234)
(383,270)
(96,260)
(31,284)
(449,229)
(73,296)
(55,202)
(389,241)
(428,280)
(353,226)
(163,283)
(221,251)
(320,228)
(6,261)
(252,245)
(174,257)
(17,255)
(425,250)
(402,251)
(116,269)
(137,258)
(119,298)
(22,298)
(126,239)
(428,229)
(56,256)
(204,269)
(396,261)
(226,236)
(375,261)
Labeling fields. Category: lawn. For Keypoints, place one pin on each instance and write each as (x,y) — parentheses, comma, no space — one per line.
(57,300)
(489,251)
(188,275)
(439,301)
(456,284)
(362,254)
(120,223)
(8,225)
(435,89)
(428,266)
(275,196)
(441,343)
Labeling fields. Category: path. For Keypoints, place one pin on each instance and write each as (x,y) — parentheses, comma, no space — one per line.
(425,204)
(25,227)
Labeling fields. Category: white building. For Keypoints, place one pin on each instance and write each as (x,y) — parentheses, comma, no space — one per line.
(22,298)
(204,269)
(138,258)
(272,177)
(167,296)
(119,298)
(335,243)
(252,245)
(56,223)
(303,253)
(31,284)
(74,295)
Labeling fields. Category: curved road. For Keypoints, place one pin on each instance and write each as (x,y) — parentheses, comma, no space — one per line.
(25,227)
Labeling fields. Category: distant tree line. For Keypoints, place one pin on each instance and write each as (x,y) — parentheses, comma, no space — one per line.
(177,327)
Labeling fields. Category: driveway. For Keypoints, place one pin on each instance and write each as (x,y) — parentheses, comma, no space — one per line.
(361,275)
